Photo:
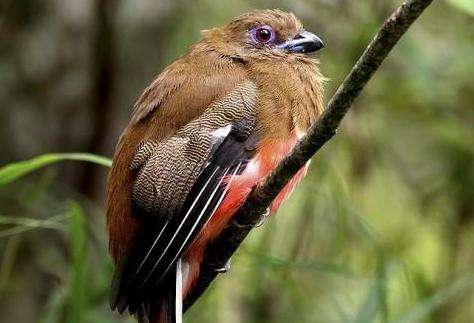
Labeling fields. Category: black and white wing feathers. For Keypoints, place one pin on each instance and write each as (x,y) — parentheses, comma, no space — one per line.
(163,240)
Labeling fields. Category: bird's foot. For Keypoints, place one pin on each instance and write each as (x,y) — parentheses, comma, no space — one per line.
(226,267)
(259,223)
(263,217)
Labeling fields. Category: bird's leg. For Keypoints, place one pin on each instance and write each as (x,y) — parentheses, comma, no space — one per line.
(225,268)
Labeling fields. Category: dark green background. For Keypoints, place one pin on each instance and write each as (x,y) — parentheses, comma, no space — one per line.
(381,230)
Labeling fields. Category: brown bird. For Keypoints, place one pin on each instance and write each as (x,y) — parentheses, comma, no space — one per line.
(206,131)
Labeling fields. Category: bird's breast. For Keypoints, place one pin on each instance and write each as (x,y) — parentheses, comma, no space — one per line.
(269,154)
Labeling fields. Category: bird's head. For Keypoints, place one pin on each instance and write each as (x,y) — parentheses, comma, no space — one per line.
(263,34)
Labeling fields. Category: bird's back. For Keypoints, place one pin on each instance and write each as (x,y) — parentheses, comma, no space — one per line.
(177,96)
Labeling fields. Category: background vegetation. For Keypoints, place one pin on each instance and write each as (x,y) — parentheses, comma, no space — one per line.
(380,231)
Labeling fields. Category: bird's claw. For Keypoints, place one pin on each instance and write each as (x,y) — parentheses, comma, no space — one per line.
(260,222)
(263,217)
(225,268)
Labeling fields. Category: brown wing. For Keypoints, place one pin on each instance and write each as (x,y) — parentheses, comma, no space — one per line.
(177,96)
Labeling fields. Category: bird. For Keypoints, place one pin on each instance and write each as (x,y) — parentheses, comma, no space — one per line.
(206,131)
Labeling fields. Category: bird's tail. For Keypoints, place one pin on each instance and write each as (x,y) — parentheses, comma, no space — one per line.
(169,307)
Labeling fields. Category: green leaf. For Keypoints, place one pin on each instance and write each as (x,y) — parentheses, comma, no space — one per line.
(22,224)
(77,300)
(426,307)
(321,267)
(375,302)
(8,261)
(464,5)
(370,307)
(14,171)
(53,307)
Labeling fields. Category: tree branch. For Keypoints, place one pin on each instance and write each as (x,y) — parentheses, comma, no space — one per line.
(322,131)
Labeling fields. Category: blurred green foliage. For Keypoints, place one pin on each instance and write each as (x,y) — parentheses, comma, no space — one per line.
(381,230)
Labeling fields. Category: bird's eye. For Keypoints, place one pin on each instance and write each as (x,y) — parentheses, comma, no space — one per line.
(264,34)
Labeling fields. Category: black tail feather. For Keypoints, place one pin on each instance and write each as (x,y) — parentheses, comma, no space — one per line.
(168,307)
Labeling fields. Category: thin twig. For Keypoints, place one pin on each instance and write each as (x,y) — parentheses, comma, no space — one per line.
(322,131)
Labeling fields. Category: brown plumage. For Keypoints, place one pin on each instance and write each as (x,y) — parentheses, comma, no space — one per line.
(232,93)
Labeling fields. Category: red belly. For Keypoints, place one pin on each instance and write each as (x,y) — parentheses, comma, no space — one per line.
(267,158)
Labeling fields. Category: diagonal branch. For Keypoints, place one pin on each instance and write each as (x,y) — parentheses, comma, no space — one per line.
(322,131)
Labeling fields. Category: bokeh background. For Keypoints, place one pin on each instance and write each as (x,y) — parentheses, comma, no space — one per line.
(380,231)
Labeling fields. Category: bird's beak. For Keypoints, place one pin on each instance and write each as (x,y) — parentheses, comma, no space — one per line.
(305,42)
